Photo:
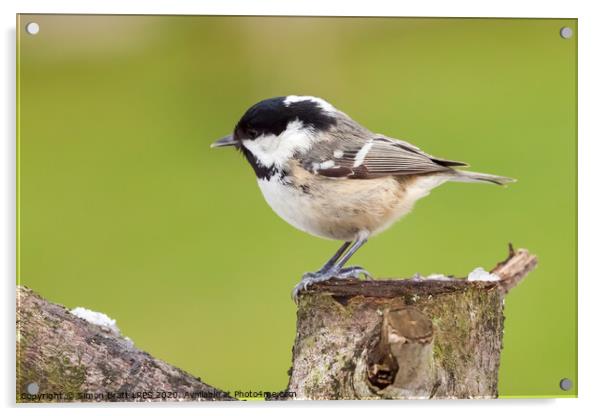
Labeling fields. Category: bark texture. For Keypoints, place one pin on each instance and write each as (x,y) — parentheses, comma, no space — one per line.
(62,358)
(403,339)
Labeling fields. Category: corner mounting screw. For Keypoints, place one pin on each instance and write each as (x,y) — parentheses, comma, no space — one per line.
(566,384)
(33,388)
(566,32)
(32,28)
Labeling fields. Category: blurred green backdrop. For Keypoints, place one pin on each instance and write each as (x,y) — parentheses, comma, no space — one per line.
(124,209)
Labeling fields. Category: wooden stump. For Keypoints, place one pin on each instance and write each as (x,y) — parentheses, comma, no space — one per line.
(403,339)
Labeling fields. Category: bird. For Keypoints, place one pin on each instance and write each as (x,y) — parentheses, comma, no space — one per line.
(331,177)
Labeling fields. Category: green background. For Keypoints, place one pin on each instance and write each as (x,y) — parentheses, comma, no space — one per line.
(124,209)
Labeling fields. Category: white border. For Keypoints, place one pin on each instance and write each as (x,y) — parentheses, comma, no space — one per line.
(590,154)
(509,8)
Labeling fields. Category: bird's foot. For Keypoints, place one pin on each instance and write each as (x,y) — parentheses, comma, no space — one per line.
(310,278)
(353,271)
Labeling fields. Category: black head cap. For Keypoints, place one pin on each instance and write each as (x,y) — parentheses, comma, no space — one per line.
(273,115)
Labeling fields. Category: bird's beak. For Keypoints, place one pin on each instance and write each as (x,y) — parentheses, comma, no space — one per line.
(224,141)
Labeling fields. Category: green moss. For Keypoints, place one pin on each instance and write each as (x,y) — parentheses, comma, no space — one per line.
(313,382)
(65,376)
(445,356)
(24,374)
(309,342)
(60,374)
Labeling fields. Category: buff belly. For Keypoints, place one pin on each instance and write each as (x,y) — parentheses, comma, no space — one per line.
(344,209)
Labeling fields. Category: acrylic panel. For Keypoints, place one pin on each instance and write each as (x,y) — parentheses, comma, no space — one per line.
(155,243)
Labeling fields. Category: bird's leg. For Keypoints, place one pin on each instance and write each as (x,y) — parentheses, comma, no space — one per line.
(328,265)
(334,268)
(355,247)
(352,271)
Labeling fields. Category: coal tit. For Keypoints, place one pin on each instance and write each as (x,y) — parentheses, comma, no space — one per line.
(327,175)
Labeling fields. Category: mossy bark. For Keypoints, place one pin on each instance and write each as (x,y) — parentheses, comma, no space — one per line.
(403,339)
(62,358)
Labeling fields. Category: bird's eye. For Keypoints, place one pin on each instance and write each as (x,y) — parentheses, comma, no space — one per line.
(252,133)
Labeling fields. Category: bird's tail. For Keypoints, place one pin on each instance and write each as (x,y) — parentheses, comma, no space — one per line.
(464,176)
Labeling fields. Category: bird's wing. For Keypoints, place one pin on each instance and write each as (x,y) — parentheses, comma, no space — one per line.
(376,157)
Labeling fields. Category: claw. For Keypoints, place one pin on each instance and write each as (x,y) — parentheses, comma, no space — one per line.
(310,278)
(355,272)
(307,280)
(309,275)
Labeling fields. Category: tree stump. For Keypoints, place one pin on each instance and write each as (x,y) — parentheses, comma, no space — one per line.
(403,339)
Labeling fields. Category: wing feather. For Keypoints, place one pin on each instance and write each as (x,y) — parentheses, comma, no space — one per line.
(377,157)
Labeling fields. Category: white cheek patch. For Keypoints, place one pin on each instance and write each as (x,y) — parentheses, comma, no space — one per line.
(272,150)
(338,154)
